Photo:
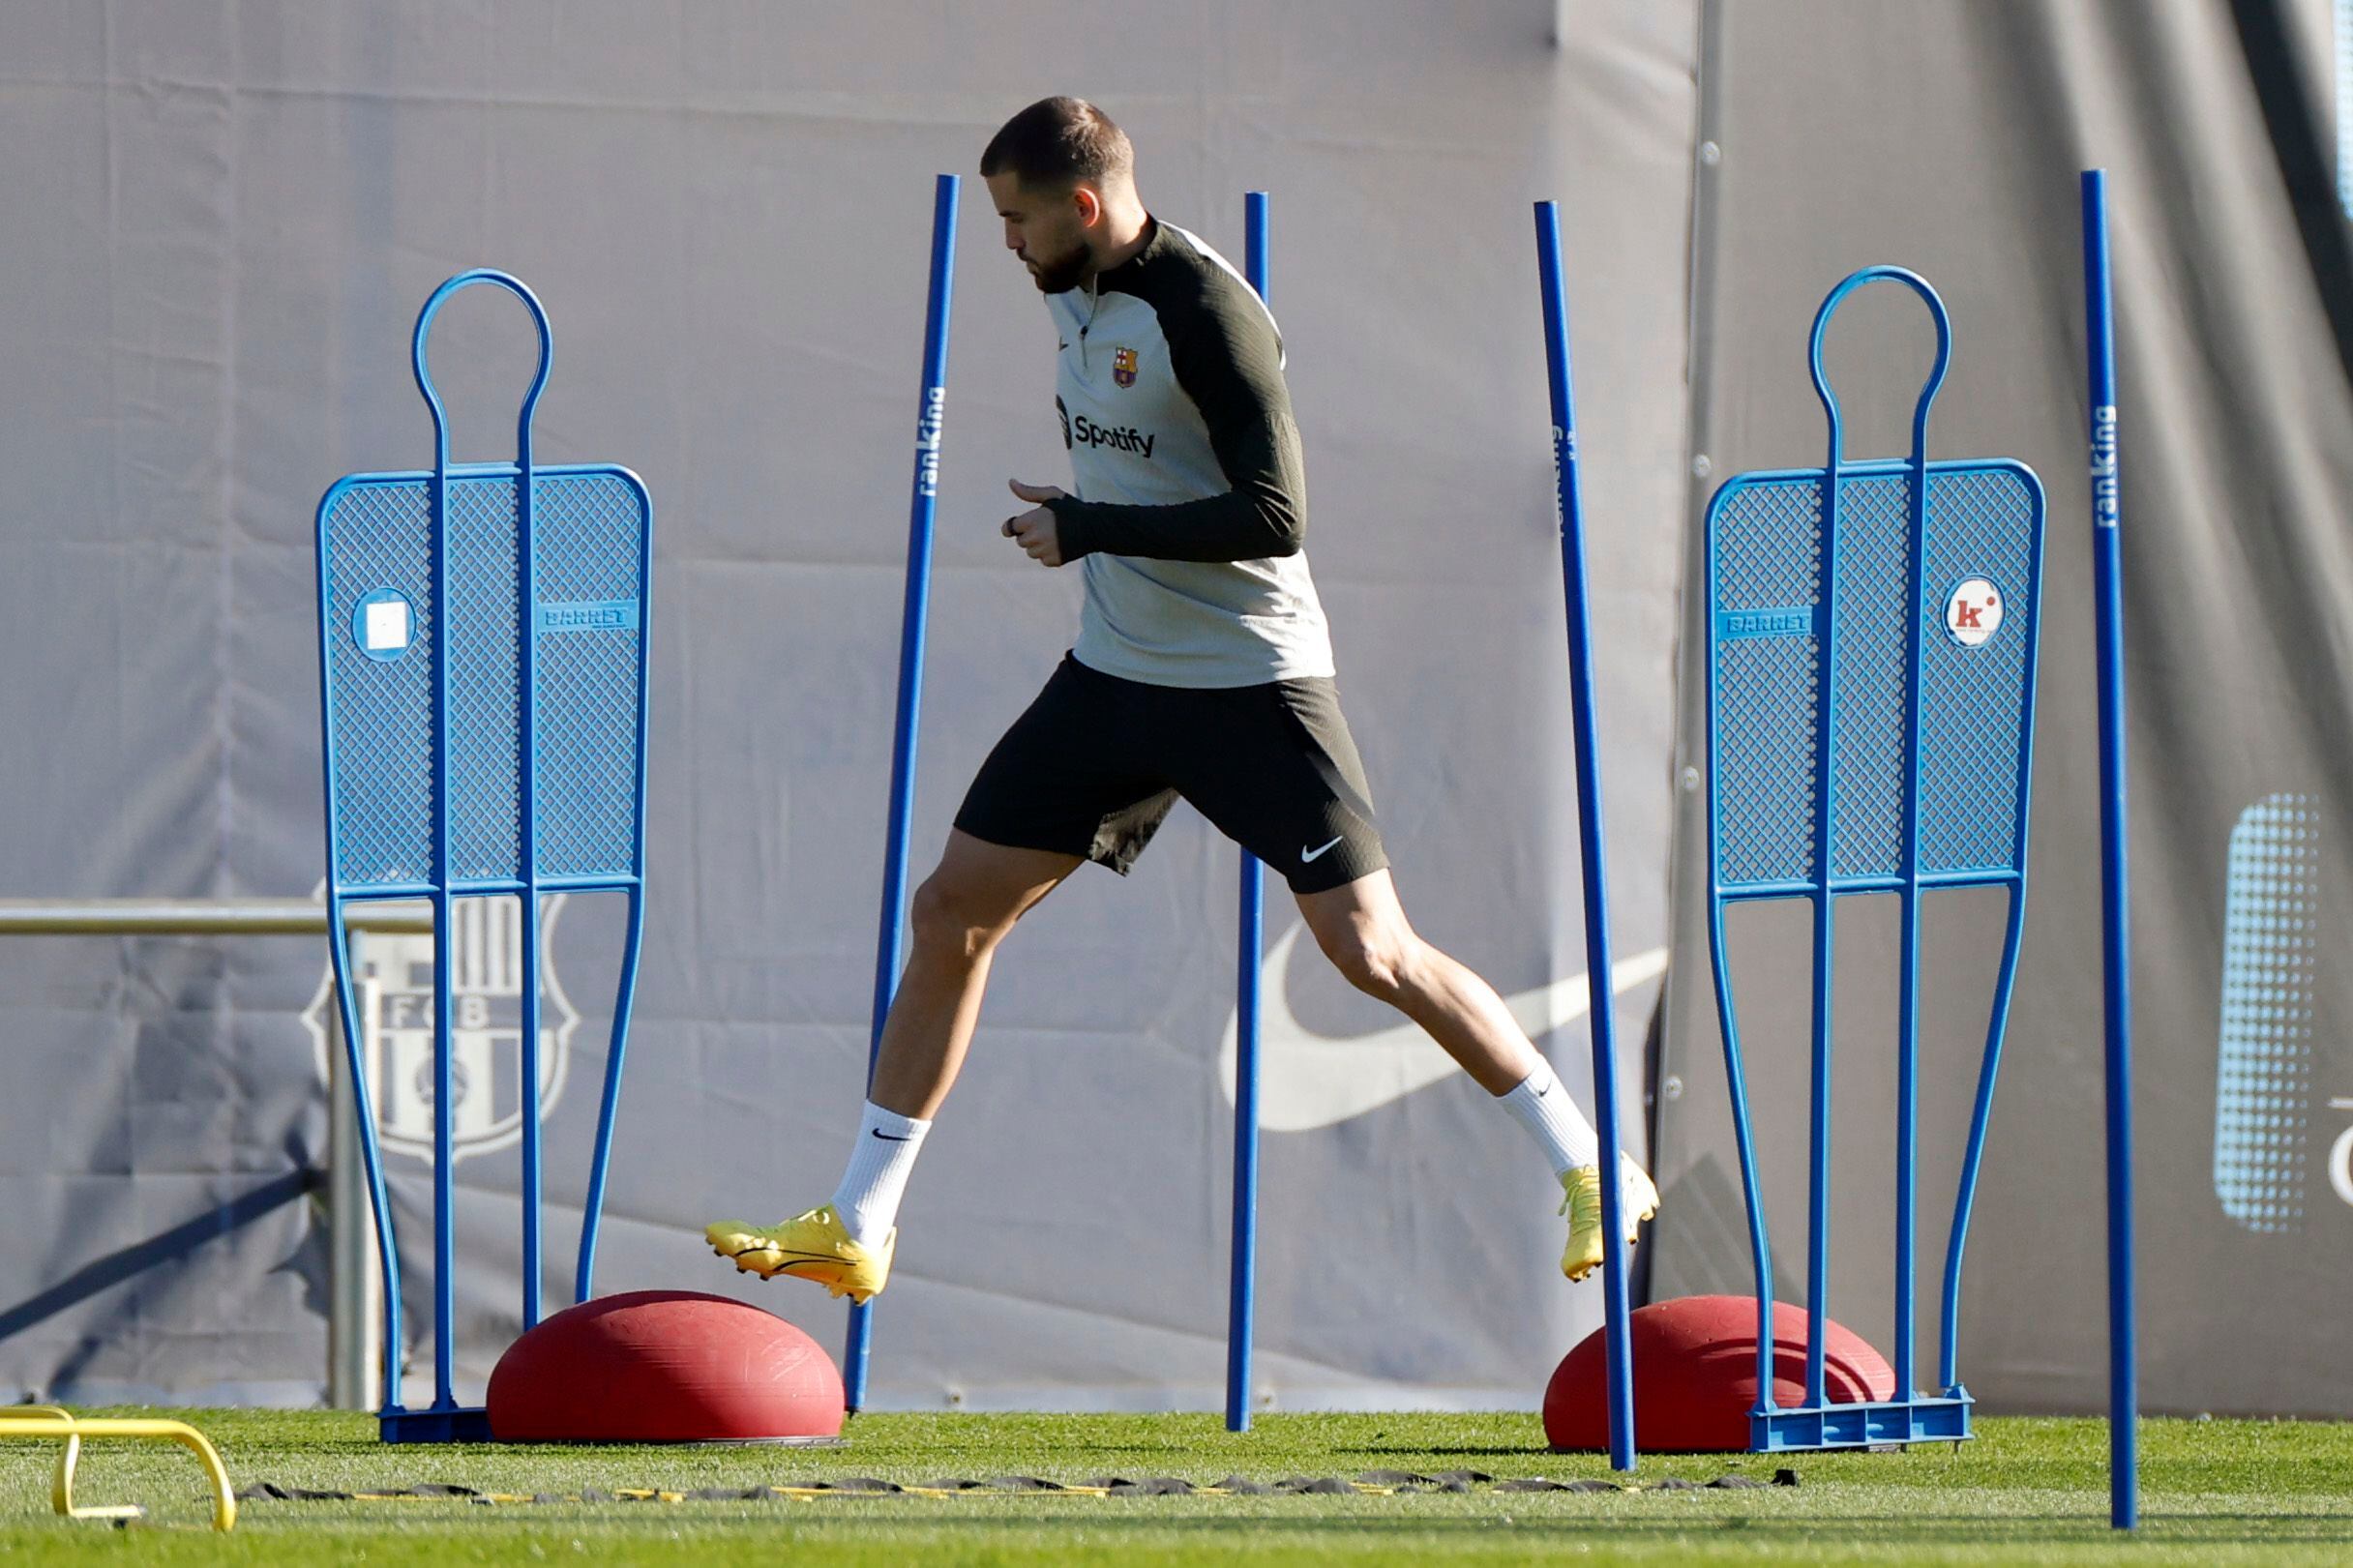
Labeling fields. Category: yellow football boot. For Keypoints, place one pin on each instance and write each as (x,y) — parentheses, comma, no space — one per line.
(1581,1202)
(812,1246)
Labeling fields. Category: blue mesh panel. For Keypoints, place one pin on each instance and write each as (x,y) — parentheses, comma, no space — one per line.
(376,535)
(1767,554)
(1765,759)
(1981,524)
(1874,645)
(590,528)
(485,839)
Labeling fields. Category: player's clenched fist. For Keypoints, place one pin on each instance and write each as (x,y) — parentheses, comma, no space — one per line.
(1033,530)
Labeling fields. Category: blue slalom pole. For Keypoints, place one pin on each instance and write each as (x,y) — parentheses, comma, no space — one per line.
(2108,596)
(914,615)
(1619,1351)
(1241,1308)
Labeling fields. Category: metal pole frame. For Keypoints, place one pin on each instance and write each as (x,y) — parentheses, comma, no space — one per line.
(1825,894)
(445,1420)
(444,899)
(1908,1417)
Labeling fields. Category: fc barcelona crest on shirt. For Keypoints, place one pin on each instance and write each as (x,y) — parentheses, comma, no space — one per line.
(1123,367)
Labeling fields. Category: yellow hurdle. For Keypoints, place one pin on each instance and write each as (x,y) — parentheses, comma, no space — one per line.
(48,1421)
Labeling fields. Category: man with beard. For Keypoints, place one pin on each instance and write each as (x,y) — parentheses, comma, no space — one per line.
(1202,670)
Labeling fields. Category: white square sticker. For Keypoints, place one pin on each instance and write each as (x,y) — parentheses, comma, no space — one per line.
(387,625)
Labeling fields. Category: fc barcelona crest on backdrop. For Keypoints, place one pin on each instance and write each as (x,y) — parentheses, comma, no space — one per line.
(1123,367)
(395,986)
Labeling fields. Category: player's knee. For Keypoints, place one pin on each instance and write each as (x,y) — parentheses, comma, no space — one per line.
(1373,960)
(947,928)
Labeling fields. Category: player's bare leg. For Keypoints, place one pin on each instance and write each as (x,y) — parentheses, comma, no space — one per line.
(960,914)
(957,919)
(1362,928)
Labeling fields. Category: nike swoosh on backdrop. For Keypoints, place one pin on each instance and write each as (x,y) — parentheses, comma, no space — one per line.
(1308,1081)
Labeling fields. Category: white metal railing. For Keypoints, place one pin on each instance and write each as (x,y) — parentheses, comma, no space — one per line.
(355,1312)
(200,917)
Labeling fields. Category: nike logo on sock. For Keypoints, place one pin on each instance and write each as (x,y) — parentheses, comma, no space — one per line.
(1309,856)
(887,1139)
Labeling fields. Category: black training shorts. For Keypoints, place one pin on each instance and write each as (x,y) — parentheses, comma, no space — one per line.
(1097,762)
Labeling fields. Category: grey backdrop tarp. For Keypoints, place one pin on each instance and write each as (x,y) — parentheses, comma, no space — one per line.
(227,215)
(225,218)
(1947,138)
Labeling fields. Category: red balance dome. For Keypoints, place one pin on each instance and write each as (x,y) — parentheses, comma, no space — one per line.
(665,1367)
(1695,1375)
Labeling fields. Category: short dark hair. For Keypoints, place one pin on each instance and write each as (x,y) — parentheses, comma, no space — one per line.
(1059,141)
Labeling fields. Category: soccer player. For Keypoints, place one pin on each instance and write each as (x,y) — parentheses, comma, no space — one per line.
(1202,670)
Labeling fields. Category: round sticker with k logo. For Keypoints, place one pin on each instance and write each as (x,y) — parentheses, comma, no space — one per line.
(1973,612)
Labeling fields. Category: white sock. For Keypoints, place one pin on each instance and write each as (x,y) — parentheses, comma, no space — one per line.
(1552,1119)
(875,1177)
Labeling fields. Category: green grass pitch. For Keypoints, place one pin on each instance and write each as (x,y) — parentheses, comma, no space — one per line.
(2025,1491)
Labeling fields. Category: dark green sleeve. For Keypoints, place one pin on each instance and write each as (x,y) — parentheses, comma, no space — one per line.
(1228,361)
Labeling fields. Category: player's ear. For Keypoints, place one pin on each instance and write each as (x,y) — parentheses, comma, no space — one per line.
(1089,203)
